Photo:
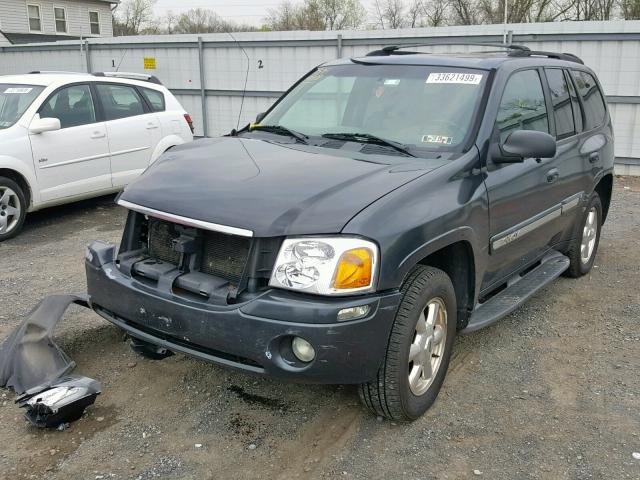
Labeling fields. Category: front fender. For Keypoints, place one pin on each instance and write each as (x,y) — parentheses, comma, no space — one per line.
(446,206)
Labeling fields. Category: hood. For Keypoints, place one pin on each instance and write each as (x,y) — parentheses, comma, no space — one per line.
(270,188)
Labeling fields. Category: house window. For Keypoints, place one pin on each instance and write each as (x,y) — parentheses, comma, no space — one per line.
(33,11)
(94,22)
(61,19)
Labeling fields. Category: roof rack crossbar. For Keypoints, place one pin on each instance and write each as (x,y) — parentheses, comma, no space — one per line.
(396,49)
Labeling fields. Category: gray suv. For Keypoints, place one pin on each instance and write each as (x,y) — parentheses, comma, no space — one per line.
(381,206)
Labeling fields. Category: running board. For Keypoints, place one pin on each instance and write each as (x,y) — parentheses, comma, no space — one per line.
(518,291)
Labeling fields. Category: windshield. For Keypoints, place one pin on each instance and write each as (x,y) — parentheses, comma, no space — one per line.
(421,107)
(14,100)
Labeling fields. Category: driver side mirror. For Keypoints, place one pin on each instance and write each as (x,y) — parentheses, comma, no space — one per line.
(41,125)
(523,144)
(260,116)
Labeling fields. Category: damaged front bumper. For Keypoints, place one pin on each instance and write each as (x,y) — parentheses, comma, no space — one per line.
(254,335)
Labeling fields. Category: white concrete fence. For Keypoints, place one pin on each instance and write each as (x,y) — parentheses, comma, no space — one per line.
(207,72)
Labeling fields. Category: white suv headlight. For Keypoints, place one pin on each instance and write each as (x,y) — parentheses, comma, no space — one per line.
(326,265)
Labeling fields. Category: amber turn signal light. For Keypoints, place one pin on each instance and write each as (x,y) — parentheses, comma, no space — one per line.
(354,269)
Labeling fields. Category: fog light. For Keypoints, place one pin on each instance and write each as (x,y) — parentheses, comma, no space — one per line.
(352,313)
(302,349)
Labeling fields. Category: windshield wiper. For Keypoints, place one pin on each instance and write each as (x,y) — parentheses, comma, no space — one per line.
(368,138)
(280,130)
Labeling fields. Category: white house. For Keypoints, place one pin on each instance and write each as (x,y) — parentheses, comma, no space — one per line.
(31,21)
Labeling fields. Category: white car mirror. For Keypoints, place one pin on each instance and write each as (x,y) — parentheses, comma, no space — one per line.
(40,125)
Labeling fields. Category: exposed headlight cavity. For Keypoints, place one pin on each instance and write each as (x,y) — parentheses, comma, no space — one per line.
(318,265)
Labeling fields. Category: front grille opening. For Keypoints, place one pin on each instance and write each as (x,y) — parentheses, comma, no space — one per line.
(160,237)
(224,256)
(218,254)
(229,265)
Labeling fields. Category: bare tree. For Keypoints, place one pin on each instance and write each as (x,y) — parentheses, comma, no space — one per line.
(465,12)
(316,15)
(393,13)
(436,12)
(133,16)
(630,9)
(341,14)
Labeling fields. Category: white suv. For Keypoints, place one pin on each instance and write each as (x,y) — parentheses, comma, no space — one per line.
(65,137)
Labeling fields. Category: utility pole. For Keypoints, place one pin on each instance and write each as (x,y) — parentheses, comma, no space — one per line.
(506,12)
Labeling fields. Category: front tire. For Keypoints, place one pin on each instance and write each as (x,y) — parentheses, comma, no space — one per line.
(419,348)
(13,208)
(583,248)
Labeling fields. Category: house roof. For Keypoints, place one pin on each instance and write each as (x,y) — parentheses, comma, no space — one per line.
(22,38)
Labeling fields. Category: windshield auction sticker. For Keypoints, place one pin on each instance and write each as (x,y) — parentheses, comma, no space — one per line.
(441,139)
(460,78)
(18,90)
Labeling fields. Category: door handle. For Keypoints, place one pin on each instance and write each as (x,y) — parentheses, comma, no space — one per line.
(594,157)
(151,126)
(553,175)
(98,134)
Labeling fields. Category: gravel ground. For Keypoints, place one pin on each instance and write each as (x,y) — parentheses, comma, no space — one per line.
(550,392)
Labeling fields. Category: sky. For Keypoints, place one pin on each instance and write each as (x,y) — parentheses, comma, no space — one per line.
(243,11)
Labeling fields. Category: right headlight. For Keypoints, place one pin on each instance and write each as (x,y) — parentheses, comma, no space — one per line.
(326,265)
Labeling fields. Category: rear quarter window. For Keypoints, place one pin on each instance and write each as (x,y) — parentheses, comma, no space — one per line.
(592,99)
(154,98)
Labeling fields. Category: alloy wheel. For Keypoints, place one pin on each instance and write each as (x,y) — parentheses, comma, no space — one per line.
(427,349)
(589,235)
(10,209)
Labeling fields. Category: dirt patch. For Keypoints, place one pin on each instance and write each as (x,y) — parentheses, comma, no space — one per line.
(551,391)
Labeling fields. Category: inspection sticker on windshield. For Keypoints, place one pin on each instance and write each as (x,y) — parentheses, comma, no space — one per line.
(441,139)
(460,78)
(17,90)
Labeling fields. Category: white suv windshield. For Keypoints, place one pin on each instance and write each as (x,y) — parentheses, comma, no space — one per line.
(423,107)
(14,100)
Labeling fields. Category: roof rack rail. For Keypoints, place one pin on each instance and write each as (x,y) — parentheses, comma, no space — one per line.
(569,57)
(144,77)
(514,50)
(55,72)
(396,49)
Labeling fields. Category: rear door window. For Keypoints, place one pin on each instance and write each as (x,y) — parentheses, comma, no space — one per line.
(592,99)
(578,114)
(119,101)
(561,101)
(522,106)
(154,98)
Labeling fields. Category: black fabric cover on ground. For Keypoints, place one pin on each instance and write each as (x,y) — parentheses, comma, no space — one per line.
(29,357)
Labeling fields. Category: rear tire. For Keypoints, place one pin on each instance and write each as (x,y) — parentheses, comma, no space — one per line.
(403,388)
(583,248)
(13,208)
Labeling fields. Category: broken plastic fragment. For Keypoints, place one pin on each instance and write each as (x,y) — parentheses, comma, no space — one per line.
(49,406)
(29,357)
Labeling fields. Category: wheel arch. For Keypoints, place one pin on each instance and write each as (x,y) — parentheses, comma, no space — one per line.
(456,253)
(165,144)
(457,261)
(20,180)
(605,190)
